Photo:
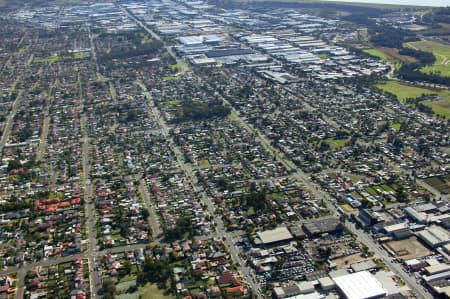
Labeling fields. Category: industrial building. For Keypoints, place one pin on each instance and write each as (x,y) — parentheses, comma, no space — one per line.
(398,231)
(418,217)
(434,236)
(364,266)
(280,234)
(360,285)
(323,225)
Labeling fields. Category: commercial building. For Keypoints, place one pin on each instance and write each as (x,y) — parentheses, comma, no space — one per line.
(326,283)
(280,234)
(415,264)
(436,269)
(398,231)
(360,285)
(297,232)
(323,225)
(418,217)
(364,266)
(368,217)
(228,52)
(294,290)
(436,277)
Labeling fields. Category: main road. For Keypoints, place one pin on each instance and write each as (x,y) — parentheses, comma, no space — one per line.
(153,218)
(89,206)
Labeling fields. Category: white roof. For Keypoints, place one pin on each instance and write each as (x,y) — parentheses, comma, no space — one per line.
(395,227)
(313,295)
(413,262)
(191,40)
(360,285)
(275,235)
(326,282)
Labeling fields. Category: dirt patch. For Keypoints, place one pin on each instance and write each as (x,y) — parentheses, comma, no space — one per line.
(346,261)
(407,249)
(348,208)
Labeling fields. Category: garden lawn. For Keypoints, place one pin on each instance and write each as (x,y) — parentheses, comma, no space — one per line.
(151,291)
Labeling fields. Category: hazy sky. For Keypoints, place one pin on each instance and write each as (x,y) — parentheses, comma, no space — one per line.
(404,2)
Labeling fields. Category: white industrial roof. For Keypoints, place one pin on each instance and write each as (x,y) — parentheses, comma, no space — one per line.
(412,262)
(275,235)
(396,227)
(191,40)
(360,285)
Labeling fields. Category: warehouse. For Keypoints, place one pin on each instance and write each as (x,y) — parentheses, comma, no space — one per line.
(434,236)
(360,285)
(436,269)
(279,234)
(191,40)
(323,225)
(398,231)
(364,266)
(418,217)
(228,52)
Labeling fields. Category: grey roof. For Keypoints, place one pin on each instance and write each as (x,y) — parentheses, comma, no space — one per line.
(275,235)
(418,216)
(228,52)
(323,225)
(297,231)
(434,236)
(426,207)
(364,265)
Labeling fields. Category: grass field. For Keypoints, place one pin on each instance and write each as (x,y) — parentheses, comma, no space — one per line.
(336,143)
(56,58)
(403,91)
(376,53)
(441,107)
(151,291)
(173,103)
(395,126)
(170,78)
(440,183)
(391,55)
(323,56)
(440,51)
(176,67)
